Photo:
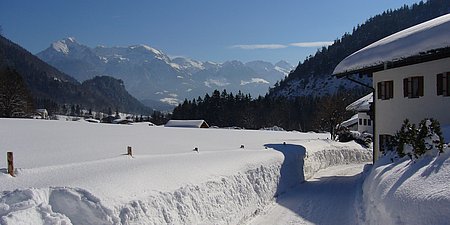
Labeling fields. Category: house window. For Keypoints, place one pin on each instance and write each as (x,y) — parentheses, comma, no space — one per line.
(369,122)
(413,87)
(385,142)
(443,84)
(360,121)
(365,122)
(385,89)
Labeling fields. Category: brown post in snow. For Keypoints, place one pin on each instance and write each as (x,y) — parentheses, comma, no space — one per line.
(9,156)
(129,152)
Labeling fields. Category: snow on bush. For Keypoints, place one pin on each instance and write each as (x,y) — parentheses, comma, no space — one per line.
(414,188)
(417,141)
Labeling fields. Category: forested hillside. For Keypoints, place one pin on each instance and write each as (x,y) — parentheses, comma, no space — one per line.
(389,22)
(300,102)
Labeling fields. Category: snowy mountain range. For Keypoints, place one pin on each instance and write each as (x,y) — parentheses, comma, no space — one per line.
(152,76)
(50,87)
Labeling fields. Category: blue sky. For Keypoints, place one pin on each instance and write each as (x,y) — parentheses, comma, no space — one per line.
(214,30)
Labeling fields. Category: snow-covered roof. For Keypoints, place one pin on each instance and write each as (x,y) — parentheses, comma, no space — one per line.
(417,40)
(353,120)
(361,104)
(187,123)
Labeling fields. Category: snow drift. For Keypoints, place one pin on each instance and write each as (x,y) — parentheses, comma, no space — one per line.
(408,192)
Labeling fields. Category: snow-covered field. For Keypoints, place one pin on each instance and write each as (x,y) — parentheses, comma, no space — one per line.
(78,173)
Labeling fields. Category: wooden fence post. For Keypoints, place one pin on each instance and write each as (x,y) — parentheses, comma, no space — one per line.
(10,159)
(129,151)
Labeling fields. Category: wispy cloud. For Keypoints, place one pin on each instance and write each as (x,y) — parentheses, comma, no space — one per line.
(260,46)
(311,44)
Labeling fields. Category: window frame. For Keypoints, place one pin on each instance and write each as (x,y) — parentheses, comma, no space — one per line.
(384,142)
(385,89)
(413,87)
(443,84)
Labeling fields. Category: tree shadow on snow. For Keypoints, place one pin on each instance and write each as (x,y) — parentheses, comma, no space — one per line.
(291,172)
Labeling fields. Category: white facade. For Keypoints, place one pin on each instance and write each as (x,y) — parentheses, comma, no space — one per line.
(365,124)
(391,113)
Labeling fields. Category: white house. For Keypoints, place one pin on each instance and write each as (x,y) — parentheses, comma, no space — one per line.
(187,123)
(361,121)
(411,76)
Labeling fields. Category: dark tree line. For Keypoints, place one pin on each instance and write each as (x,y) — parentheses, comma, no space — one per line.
(15,99)
(305,113)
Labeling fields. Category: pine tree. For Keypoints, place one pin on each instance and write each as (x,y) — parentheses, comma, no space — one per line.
(15,100)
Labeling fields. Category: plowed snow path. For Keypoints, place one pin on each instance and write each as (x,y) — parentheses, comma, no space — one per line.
(327,198)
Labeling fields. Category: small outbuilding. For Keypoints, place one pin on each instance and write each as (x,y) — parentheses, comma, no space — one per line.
(187,123)
(361,121)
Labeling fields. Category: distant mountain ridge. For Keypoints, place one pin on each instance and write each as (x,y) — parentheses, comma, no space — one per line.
(47,83)
(313,75)
(150,75)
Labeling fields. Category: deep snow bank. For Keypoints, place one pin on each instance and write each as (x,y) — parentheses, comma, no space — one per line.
(408,192)
(226,200)
(322,154)
(229,200)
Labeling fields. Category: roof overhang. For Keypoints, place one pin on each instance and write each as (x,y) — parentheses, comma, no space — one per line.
(424,42)
(416,59)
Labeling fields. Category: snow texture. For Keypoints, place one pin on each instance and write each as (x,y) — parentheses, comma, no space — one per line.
(362,104)
(320,85)
(326,199)
(353,120)
(422,38)
(325,153)
(77,172)
(408,192)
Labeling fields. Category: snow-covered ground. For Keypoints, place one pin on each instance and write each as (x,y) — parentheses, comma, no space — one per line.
(78,173)
(408,192)
(327,198)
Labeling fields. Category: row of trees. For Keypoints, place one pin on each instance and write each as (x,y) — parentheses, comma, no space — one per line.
(15,99)
(305,113)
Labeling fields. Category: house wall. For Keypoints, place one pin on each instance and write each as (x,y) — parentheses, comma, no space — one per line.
(364,128)
(391,113)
